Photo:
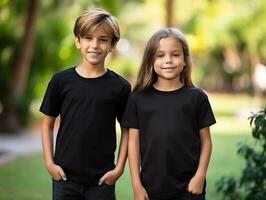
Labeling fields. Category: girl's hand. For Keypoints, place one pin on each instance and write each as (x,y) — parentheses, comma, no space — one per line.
(140,193)
(56,172)
(196,184)
(110,177)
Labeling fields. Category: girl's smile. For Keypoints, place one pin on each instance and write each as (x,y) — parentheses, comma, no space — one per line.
(169,59)
(168,68)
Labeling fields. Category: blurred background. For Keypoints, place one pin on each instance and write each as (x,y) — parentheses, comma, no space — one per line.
(228,45)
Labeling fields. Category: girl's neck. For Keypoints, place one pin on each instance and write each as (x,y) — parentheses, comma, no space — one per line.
(168,85)
(89,71)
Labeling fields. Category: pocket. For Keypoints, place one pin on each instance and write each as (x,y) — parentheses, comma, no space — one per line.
(191,196)
(110,185)
(57,180)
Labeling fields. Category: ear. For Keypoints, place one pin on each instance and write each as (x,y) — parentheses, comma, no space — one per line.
(77,42)
(112,48)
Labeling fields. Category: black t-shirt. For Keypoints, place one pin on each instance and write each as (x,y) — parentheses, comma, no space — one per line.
(169,124)
(88,107)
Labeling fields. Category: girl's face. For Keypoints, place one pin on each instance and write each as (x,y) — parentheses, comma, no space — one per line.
(169,59)
(95,46)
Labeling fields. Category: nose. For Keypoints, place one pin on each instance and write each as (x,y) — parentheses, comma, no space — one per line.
(94,43)
(168,59)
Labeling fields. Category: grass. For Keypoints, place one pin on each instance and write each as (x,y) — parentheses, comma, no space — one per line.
(27,179)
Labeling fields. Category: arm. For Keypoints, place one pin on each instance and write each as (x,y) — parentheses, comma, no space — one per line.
(122,153)
(47,143)
(111,176)
(134,164)
(196,184)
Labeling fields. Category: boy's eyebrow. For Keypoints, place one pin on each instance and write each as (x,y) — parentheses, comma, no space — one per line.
(101,36)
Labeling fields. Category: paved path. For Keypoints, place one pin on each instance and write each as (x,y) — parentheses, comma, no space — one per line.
(15,145)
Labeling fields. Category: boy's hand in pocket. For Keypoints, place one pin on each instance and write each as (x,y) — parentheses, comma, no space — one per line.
(110,177)
(56,172)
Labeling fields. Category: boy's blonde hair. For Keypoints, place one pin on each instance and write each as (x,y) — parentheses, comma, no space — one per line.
(94,18)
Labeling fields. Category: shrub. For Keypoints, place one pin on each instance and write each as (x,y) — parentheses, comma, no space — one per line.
(252,183)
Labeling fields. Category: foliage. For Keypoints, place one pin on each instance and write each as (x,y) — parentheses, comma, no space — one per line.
(54,47)
(252,183)
(224,37)
(226,40)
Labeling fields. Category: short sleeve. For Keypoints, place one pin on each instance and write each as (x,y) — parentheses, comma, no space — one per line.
(205,116)
(130,119)
(51,101)
(122,103)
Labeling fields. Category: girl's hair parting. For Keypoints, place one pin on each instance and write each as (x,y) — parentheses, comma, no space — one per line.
(94,18)
(147,76)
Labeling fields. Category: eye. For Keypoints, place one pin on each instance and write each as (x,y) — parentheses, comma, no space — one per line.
(159,55)
(103,40)
(176,55)
(88,38)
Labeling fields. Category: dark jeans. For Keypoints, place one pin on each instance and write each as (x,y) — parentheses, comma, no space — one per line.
(66,190)
(186,196)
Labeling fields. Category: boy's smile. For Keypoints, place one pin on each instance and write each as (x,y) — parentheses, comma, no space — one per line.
(95,46)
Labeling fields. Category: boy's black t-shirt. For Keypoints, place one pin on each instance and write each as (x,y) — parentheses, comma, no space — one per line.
(88,108)
(169,124)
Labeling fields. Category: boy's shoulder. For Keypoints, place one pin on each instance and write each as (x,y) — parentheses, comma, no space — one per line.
(66,73)
(117,77)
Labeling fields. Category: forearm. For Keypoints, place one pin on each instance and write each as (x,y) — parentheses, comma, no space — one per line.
(134,157)
(47,140)
(122,152)
(205,154)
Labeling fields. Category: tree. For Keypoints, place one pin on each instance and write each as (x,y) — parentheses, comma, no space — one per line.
(170,17)
(26,61)
(9,115)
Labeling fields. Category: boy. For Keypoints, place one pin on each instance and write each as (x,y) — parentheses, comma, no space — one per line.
(88,98)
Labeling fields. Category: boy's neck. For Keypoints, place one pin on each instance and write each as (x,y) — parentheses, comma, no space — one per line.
(168,85)
(89,71)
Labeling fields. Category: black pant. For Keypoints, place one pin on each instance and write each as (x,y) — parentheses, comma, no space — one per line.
(67,190)
(185,196)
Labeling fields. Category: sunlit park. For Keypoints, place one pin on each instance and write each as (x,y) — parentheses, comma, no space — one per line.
(227,40)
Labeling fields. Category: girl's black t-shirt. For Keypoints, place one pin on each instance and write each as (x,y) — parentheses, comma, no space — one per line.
(88,108)
(169,124)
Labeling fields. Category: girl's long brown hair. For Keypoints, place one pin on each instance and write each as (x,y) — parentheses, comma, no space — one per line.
(147,76)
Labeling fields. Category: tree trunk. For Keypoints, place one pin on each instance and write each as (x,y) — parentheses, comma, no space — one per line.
(170,13)
(9,117)
(255,60)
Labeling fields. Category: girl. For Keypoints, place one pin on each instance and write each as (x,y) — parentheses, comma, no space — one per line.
(169,119)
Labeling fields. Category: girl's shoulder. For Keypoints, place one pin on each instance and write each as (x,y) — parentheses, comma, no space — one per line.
(135,94)
(194,89)
(196,92)
(139,94)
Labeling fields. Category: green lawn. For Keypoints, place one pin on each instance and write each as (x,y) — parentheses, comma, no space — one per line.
(27,179)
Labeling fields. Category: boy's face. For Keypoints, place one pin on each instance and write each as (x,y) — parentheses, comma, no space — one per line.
(95,46)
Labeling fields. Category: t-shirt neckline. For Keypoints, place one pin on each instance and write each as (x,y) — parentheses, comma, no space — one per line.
(168,92)
(89,79)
